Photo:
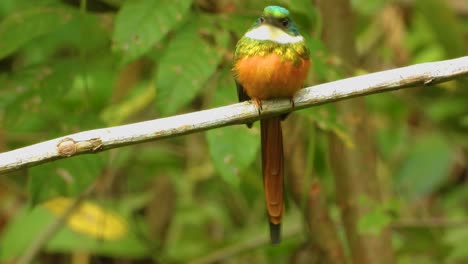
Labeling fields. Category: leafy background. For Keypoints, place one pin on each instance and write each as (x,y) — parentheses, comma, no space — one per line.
(68,66)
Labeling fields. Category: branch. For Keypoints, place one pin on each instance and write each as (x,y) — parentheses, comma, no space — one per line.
(93,141)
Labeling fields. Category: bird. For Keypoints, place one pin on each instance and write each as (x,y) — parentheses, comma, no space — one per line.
(271,60)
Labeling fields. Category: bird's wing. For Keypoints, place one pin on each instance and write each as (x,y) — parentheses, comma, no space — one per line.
(241,93)
(242,97)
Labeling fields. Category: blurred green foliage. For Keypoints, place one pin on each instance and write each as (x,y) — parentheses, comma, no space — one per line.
(68,66)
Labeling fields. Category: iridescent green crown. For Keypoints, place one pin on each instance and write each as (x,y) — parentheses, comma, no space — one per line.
(276,12)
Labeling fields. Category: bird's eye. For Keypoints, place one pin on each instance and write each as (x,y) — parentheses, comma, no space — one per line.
(261,19)
(285,22)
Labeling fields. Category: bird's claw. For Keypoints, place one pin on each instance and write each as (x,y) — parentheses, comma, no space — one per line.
(258,105)
(291,100)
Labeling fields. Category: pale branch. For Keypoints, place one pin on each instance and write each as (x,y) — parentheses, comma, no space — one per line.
(97,140)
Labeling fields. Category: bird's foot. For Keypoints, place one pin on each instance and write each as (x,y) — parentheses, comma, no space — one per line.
(291,100)
(258,105)
(284,116)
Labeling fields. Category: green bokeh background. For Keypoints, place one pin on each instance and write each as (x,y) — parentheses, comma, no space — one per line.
(69,66)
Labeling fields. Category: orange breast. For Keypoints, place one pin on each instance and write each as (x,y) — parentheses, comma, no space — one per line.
(265,77)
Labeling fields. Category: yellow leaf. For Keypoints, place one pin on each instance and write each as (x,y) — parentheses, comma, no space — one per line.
(89,219)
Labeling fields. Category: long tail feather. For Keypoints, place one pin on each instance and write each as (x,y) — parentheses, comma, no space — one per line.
(272,164)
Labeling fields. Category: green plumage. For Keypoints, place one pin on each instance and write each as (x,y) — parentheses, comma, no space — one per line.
(276,12)
(247,47)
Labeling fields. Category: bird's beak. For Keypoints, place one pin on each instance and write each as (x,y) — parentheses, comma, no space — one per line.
(272,21)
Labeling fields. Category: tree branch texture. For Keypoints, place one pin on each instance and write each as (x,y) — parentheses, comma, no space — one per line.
(97,140)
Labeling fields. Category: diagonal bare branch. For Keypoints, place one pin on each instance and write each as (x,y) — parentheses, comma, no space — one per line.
(93,141)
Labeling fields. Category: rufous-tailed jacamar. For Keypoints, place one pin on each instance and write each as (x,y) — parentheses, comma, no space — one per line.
(271,61)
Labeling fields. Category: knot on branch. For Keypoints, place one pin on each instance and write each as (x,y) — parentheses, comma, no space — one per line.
(66,147)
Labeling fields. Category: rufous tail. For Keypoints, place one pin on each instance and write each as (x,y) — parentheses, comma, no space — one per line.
(272,165)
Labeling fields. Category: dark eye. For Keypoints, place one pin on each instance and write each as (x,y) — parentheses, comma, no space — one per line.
(285,22)
(261,20)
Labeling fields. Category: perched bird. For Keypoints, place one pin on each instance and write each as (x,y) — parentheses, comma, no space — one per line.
(271,61)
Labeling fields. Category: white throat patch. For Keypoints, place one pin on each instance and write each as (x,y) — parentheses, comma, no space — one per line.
(267,32)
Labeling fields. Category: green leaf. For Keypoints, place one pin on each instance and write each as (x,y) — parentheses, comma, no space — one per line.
(225,92)
(457,239)
(20,28)
(373,222)
(47,90)
(421,42)
(446,108)
(237,24)
(378,215)
(64,178)
(142,96)
(142,23)
(232,150)
(319,56)
(187,64)
(326,118)
(368,7)
(425,167)
(445,26)
(70,37)
(8,7)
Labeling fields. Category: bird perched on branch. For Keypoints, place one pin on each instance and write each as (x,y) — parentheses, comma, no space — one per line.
(271,61)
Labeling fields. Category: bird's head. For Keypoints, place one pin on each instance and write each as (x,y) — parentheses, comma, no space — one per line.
(276,25)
